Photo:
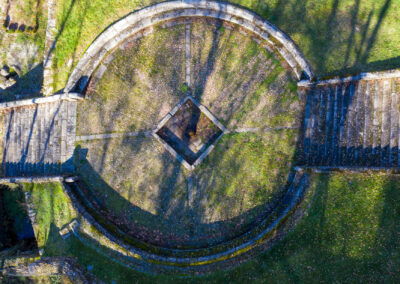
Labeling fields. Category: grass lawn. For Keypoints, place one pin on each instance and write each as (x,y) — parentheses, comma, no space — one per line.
(53,207)
(336,36)
(349,234)
(139,184)
(236,183)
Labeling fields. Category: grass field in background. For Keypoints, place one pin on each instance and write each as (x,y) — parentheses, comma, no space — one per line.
(336,36)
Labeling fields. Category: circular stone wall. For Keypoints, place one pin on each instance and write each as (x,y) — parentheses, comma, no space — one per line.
(132,177)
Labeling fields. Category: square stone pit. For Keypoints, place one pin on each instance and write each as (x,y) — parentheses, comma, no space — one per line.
(189,132)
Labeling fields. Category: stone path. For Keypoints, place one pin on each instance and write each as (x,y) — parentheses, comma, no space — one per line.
(39,139)
(353,124)
(49,46)
(148,133)
(187,49)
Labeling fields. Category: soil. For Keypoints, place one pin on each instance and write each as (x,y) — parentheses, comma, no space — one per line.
(189,132)
(22,15)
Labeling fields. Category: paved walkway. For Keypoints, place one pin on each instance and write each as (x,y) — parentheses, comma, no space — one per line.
(39,139)
(49,47)
(353,124)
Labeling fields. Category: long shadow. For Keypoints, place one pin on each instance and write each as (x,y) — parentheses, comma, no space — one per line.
(27,86)
(165,197)
(324,29)
(60,32)
(17,231)
(151,227)
(25,154)
(93,177)
(209,63)
(7,142)
(317,252)
(31,145)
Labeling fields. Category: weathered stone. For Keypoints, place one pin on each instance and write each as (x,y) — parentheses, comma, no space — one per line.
(71,179)
(154,14)
(5,71)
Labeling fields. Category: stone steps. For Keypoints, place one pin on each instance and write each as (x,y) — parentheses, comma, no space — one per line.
(39,140)
(353,124)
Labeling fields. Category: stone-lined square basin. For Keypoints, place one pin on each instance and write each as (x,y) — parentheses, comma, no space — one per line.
(189,132)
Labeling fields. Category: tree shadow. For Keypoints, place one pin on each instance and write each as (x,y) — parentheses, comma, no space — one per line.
(316,251)
(17,234)
(27,86)
(158,229)
(34,150)
(327,30)
(169,209)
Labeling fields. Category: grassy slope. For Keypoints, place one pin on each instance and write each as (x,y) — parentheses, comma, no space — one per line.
(52,207)
(336,36)
(350,234)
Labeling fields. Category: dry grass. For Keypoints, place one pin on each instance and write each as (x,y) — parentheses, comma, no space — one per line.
(241,82)
(23,12)
(141,85)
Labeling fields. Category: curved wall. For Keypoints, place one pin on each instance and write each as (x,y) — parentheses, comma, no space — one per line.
(152,15)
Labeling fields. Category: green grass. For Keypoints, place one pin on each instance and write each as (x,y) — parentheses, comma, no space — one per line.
(245,170)
(53,279)
(336,36)
(52,206)
(147,189)
(14,49)
(349,234)
(24,12)
(79,23)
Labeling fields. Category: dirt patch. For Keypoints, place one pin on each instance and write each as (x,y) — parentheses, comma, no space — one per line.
(22,15)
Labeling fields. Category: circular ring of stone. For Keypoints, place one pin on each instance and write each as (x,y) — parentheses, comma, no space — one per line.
(152,15)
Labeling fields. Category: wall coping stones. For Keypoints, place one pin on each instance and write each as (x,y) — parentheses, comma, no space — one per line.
(323,169)
(379,75)
(32,179)
(46,266)
(114,135)
(154,14)
(171,150)
(41,100)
